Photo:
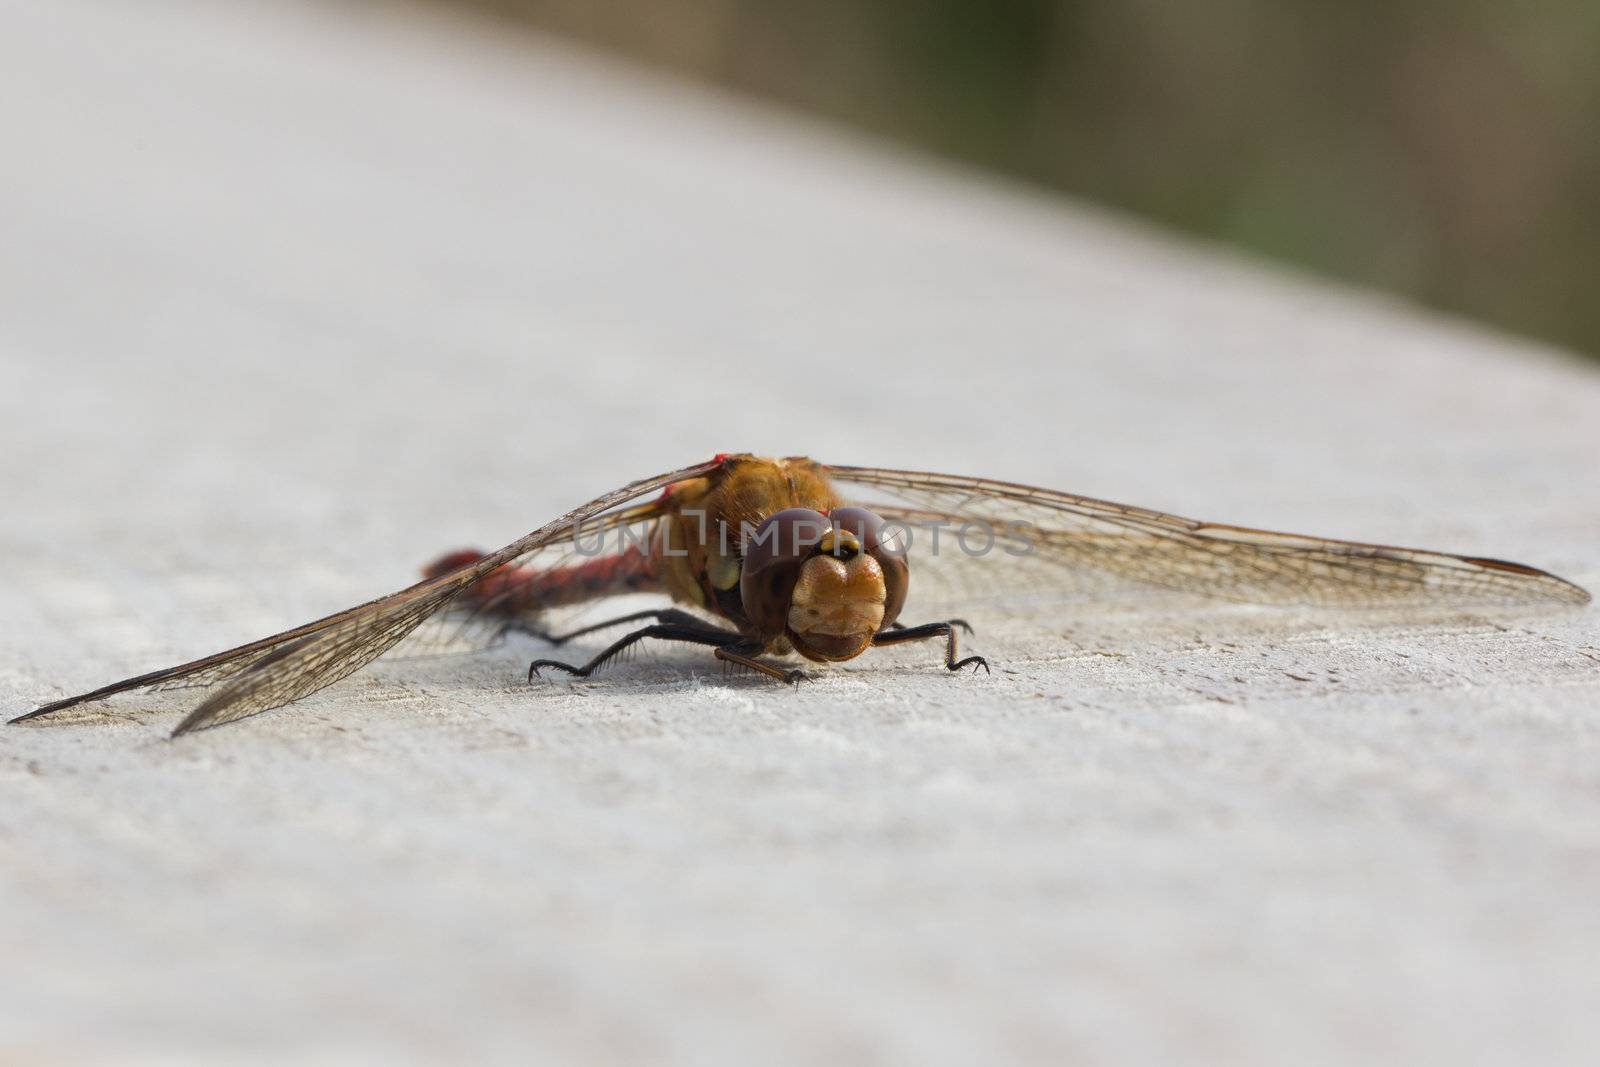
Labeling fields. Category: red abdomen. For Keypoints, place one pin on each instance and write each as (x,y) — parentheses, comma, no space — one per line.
(517,590)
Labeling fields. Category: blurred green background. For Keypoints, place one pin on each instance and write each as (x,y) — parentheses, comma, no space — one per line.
(1448,151)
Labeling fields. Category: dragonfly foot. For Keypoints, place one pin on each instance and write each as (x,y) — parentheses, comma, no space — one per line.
(533,669)
(975,661)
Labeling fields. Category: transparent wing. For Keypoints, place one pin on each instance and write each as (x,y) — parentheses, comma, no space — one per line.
(525,593)
(1043,537)
(275,670)
(303,666)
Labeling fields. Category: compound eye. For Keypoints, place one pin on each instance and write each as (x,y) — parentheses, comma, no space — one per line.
(772,559)
(884,542)
(873,534)
(790,534)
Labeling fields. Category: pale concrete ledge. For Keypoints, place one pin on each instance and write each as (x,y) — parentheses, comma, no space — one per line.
(293,297)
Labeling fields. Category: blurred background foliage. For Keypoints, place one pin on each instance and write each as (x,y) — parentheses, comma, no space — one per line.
(1448,150)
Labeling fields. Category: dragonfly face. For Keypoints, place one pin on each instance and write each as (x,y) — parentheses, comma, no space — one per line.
(827,583)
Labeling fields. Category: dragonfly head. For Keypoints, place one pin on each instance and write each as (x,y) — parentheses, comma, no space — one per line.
(826,582)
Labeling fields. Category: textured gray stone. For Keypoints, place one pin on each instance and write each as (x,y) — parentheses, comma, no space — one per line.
(293,297)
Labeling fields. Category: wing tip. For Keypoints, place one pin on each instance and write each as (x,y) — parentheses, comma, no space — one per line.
(1553,586)
(1572,593)
(198,719)
(54,705)
(1575,595)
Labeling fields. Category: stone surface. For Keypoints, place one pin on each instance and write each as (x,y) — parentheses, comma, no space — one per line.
(293,297)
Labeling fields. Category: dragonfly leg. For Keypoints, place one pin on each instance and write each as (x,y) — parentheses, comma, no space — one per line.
(699,634)
(667,615)
(744,658)
(963,624)
(946,630)
(670,616)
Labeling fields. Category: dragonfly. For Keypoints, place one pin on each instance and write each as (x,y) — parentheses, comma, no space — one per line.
(768,559)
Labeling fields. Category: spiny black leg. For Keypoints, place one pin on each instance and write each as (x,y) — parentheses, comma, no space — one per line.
(947,630)
(744,657)
(966,627)
(699,635)
(670,616)
(667,615)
